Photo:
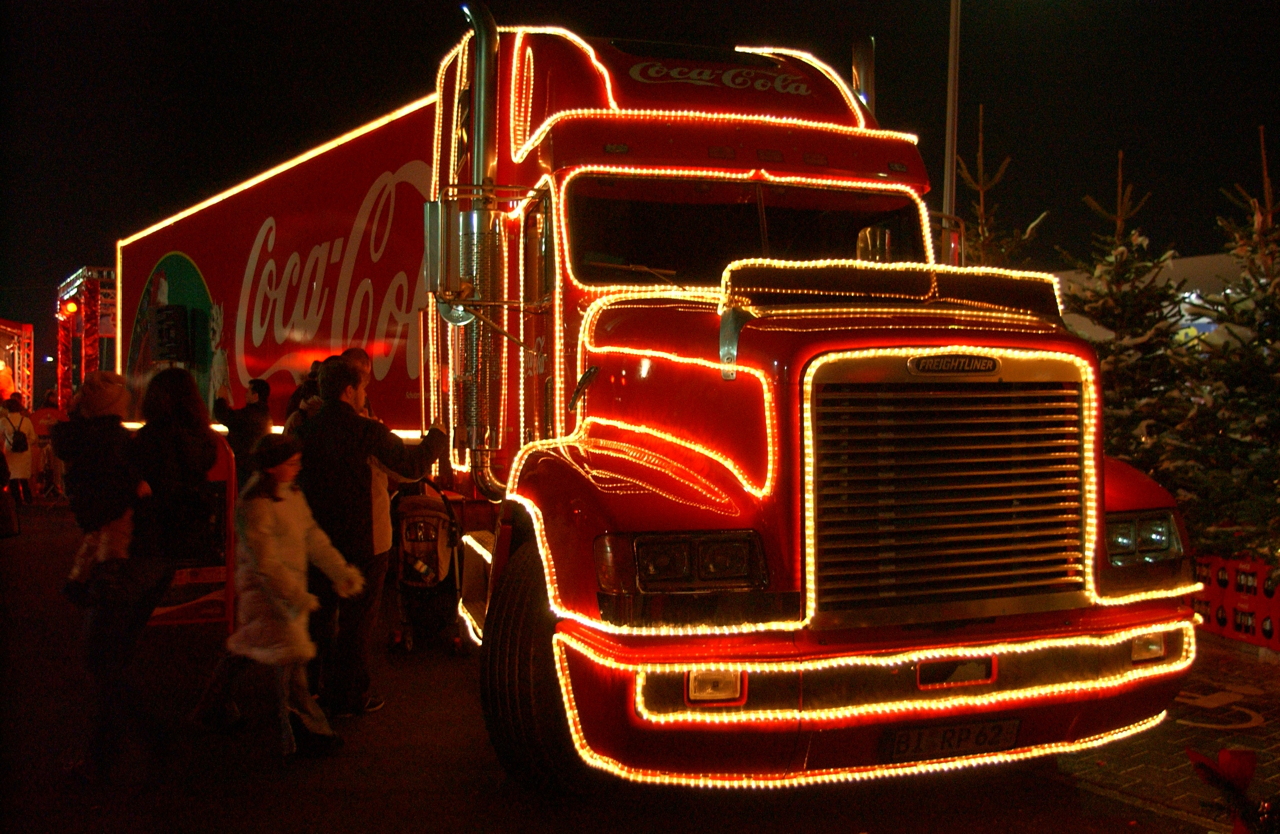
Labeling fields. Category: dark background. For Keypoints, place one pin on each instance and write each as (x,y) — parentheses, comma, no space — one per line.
(118,113)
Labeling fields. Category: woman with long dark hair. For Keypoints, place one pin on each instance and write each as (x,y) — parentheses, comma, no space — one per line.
(172,454)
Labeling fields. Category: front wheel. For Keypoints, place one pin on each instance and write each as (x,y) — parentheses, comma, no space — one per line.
(519,691)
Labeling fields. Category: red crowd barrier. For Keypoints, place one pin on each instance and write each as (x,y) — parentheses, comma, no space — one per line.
(1239,600)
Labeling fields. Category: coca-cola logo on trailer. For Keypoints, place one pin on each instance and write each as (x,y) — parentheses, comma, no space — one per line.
(285,297)
(738,78)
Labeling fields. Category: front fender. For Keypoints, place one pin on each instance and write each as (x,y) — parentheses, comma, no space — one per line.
(1126,490)
(608,479)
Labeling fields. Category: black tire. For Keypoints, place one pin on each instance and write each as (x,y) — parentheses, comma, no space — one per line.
(519,691)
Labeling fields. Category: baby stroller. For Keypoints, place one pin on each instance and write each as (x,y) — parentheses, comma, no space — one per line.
(423,567)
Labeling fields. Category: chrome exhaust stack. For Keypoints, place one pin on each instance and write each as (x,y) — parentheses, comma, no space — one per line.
(480,259)
(464,237)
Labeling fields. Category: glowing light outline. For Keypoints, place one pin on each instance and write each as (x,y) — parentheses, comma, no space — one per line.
(726,279)
(306,156)
(851,311)
(920,705)
(437,147)
(475,632)
(519,152)
(566,176)
(828,775)
(521,90)
(556,31)
(808,58)
(642,457)
(559,185)
(600,114)
(520,102)
(270,173)
(587,344)
(1090,408)
(481,551)
(563,612)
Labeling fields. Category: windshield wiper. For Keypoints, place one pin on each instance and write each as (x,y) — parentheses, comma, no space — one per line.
(661,274)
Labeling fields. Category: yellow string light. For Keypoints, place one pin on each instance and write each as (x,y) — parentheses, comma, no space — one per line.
(822,776)
(482,551)
(475,633)
(831,75)
(905,266)
(938,704)
(697,117)
(1090,413)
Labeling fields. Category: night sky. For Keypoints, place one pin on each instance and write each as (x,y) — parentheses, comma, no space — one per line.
(119,113)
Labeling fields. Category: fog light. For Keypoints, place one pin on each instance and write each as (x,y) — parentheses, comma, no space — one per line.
(715,685)
(1148,647)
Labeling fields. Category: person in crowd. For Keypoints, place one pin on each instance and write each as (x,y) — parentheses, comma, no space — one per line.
(172,454)
(244,425)
(337,481)
(381,479)
(169,458)
(277,537)
(305,401)
(48,414)
(308,388)
(101,480)
(9,524)
(45,418)
(19,447)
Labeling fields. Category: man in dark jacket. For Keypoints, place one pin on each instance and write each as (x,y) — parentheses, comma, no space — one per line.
(244,425)
(337,481)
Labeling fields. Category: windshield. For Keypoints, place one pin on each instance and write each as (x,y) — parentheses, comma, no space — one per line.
(640,230)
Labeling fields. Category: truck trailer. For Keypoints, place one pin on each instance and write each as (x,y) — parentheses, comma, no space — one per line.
(754,491)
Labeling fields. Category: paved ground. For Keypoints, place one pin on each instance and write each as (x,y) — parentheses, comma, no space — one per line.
(1231,700)
(424,762)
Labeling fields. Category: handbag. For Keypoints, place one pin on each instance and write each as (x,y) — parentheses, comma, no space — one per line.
(9,525)
(18,440)
(124,583)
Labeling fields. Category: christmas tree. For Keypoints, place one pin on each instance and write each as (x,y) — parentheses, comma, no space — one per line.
(985,242)
(1226,450)
(1135,313)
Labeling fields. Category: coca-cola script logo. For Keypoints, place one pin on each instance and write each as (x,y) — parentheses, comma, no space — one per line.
(738,78)
(290,305)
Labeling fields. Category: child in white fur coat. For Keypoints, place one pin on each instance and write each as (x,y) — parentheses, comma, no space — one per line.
(277,538)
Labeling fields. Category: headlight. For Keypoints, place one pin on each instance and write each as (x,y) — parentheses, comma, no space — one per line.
(698,561)
(1142,538)
(701,577)
(1121,539)
(1155,534)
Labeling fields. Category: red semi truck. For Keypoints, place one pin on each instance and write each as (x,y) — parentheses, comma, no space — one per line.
(757,492)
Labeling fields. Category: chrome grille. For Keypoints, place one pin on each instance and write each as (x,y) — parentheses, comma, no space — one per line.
(946,493)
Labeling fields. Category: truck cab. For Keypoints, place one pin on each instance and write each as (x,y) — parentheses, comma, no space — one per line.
(782,499)
(753,489)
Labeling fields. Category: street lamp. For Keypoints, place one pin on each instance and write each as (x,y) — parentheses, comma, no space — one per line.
(953,96)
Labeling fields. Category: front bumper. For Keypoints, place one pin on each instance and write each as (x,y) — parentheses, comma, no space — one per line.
(821,716)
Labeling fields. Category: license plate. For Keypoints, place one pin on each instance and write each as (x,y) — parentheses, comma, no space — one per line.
(953,740)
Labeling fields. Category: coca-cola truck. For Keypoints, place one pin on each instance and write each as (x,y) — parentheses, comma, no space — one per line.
(755,491)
